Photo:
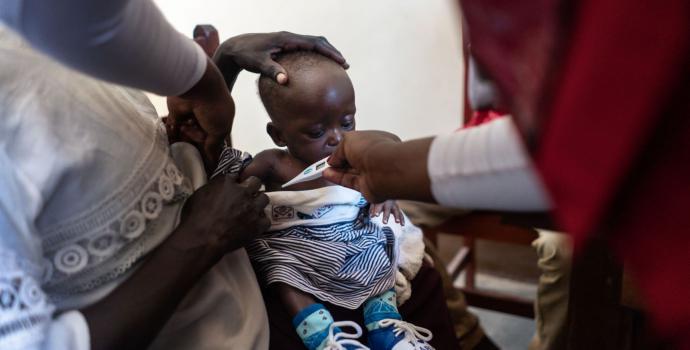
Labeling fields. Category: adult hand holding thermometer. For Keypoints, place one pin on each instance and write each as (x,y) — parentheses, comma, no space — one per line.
(312,172)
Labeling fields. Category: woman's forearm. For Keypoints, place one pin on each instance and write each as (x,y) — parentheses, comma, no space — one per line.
(132,315)
(399,170)
(484,167)
(228,68)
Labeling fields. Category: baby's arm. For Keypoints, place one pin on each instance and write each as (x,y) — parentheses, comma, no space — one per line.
(261,166)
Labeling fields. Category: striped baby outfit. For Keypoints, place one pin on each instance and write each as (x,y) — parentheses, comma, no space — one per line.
(321,242)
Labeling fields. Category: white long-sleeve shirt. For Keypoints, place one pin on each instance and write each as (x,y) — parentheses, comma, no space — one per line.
(485,167)
(127,42)
(89,186)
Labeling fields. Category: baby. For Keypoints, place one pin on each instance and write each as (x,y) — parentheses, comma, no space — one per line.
(323,243)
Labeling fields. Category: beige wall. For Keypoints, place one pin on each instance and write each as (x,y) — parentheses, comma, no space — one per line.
(405,57)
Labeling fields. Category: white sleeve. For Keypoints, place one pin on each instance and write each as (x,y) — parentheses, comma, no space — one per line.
(128,42)
(27,318)
(485,167)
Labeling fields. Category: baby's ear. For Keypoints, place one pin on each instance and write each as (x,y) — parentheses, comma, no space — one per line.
(276,134)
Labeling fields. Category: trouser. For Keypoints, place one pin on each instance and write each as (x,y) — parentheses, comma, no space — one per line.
(551,305)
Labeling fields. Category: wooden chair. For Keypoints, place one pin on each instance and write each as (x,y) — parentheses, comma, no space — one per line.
(492,226)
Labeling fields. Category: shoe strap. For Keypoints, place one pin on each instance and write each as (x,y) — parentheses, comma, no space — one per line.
(410,330)
(337,341)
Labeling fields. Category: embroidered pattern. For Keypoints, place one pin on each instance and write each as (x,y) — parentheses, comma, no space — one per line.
(103,244)
(24,309)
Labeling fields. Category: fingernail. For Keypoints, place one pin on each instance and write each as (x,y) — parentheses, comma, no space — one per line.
(281,78)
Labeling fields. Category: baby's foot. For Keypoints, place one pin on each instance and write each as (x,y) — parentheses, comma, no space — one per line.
(318,331)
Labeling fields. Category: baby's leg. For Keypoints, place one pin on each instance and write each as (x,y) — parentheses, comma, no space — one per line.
(312,321)
(294,299)
(386,328)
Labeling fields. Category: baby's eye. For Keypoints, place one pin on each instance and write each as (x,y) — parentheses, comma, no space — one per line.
(315,134)
(348,124)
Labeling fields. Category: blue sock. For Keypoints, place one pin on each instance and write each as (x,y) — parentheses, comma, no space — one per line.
(380,307)
(312,325)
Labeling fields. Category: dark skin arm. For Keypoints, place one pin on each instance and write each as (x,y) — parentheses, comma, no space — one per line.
(262,166)
(220,217)
(381,167)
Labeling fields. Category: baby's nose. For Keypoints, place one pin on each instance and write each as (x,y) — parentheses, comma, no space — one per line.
(334,138)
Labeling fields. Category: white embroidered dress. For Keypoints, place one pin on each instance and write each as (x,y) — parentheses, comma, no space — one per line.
(88,187)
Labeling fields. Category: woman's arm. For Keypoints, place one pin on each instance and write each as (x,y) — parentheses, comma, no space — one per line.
(381,167)
(261,166)
(484,167)
(124,41)
(220,217)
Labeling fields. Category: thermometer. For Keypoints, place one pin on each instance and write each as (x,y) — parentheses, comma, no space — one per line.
(312,172)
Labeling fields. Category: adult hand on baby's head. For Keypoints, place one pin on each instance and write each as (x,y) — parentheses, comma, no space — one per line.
(223,215)
(354,163)
(256,52)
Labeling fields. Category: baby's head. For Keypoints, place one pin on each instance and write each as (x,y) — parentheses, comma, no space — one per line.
(310,114)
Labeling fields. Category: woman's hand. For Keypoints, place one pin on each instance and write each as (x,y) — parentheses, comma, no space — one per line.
(256,53)
(208,104)
(388,207)
(352,164)
(204,115)
(379,166)
(223,216)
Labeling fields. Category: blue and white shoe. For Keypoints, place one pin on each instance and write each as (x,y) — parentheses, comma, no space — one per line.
(395,334)
(339,340)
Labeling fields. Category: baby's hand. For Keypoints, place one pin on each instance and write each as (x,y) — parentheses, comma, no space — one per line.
(388,207)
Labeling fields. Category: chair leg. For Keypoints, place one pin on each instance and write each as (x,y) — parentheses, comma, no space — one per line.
(472,263)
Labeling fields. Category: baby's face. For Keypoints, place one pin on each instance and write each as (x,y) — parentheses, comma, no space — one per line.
(313,121)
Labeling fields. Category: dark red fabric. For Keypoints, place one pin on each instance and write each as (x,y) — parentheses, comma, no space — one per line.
(600,88)
(615,149)
(426,308)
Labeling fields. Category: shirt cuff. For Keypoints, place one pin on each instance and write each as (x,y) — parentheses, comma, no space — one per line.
(485,167)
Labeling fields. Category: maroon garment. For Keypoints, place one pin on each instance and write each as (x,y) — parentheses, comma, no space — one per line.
(601,90)
(615,148)
(425,308)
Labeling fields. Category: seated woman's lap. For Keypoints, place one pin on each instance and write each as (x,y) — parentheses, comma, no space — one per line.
(425,308)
